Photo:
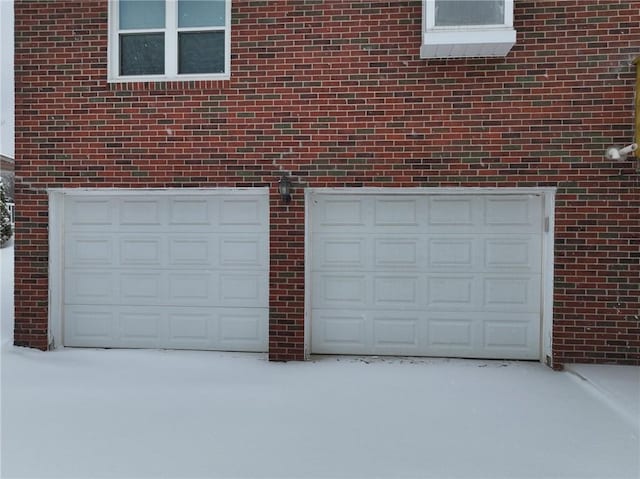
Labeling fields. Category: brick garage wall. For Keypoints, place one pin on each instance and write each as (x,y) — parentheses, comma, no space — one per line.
(335,93)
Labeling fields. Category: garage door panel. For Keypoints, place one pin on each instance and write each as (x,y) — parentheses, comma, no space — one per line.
(339,332)
(396,333)
(192,288)
(513,253)
(506,334)
(514,335)
(354,253)
(141,288)
(447,332)
(452,291)
(241,252)
(169,288)
(163,270)
(442,275)
(243,214)
(192,212)
(90,286)
(453,254)
(90,213)
(243,330)
(231,329)
(141,211)
(512,293)
(243,289)
(398,292)
(191,329)
(91,327)
(89,250)
(483,335)
(451,214)
(512,214)
(192,251)
(393,253)
(340,290)
(480,292)
(340,253)
(137,251)
(140,329)
(334,213)
(394,213)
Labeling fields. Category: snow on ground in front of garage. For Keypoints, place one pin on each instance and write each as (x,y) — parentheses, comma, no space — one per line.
(619,386)
(76,413)
(6,293)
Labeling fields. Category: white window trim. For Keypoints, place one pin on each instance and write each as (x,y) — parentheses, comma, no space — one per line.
(170,51)
(465,40)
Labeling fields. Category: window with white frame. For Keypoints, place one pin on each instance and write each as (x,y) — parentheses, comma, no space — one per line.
(467,28)
(169,39)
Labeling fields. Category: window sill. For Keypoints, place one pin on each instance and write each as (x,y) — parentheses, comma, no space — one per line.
(148,83)
(464,42)
(165,79)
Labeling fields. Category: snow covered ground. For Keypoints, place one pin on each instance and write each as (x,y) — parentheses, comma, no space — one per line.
(76,413)
(6,293)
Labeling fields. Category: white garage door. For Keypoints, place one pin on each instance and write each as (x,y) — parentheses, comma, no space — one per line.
(430,275)
(166,271)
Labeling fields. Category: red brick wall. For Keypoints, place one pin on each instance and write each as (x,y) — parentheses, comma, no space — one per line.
(336,93)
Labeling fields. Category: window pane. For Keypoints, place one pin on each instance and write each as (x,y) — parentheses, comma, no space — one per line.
(469,12)
(142,54)
(201,52)
(141,14)
(201,13)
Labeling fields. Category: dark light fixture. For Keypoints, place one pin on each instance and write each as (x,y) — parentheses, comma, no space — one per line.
(284,187)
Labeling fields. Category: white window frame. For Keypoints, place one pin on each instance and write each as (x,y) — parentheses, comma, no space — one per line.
(471,40)
(170,47)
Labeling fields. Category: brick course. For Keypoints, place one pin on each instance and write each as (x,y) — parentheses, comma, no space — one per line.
(335,93)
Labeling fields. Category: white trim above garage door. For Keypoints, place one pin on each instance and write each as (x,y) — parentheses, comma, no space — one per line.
(429,272)
(175,269)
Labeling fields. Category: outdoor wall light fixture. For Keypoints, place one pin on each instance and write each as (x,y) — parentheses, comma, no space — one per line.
(620,154)
(284,187)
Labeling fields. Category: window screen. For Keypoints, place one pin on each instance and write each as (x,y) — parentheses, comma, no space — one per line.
(469,12)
